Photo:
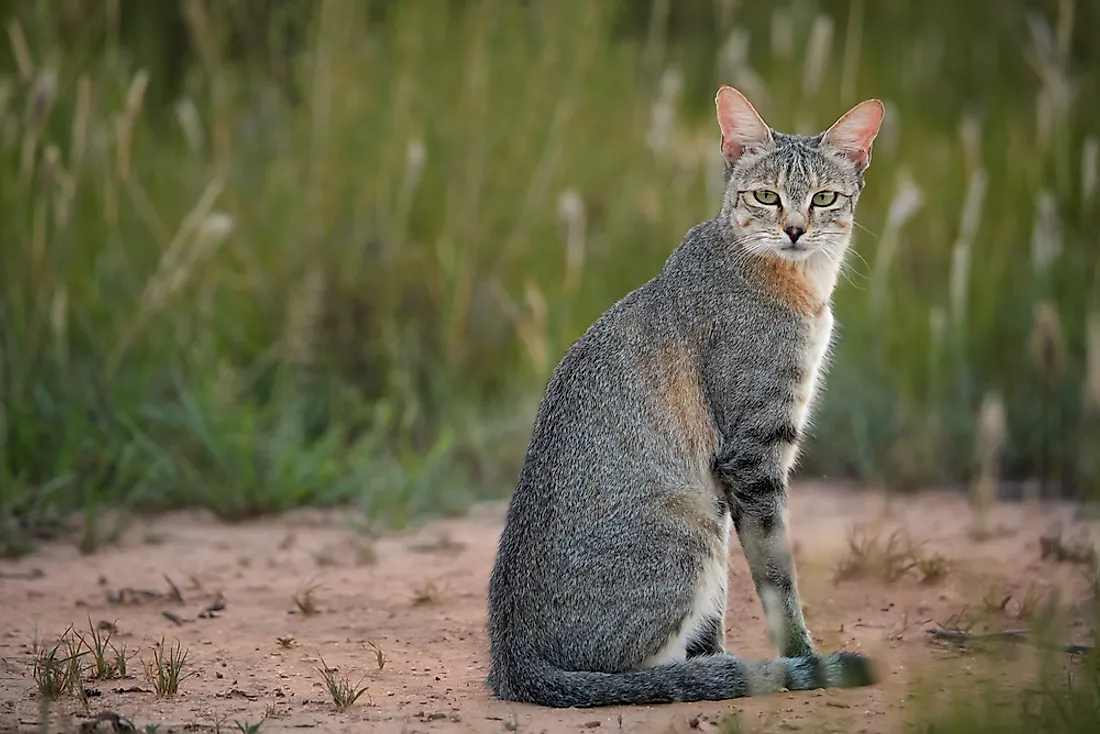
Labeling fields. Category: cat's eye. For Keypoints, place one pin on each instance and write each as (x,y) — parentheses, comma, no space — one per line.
(766,197)
(824,198)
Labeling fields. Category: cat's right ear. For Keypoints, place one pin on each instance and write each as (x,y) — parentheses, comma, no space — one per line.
(742,127)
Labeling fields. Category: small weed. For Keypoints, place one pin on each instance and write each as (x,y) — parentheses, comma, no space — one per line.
(443,543)
(246,728)
(166,672)
(306,600)
(869,557)
(57,670)
(271,712)
(97,644)
(340,688)
(379,655)
(365,552)
(1028,605)
(326,557)
(933,568)
(730,724)
(960,621)
(121,657)
(995,600)
(1057,549)
(286,642)
(428,592)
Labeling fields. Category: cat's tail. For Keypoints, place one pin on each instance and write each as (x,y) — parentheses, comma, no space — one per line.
(703,678)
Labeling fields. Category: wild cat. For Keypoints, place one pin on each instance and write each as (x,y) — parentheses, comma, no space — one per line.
(674,418)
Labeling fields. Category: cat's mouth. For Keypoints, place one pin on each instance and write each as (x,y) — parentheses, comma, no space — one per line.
(794,251)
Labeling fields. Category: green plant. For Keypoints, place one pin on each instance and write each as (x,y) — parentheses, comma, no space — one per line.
(166,670)
(97,644)
(340,688)
(204,299)
(57,670)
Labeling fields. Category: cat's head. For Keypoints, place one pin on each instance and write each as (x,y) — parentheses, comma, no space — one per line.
(794,196)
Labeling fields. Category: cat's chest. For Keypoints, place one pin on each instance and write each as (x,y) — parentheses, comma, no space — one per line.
(811,361)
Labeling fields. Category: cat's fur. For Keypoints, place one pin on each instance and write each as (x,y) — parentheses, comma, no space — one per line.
(674,418)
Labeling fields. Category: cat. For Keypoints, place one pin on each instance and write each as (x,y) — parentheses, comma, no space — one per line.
(674,418)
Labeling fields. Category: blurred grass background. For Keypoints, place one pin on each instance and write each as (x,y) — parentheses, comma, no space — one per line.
(255,255)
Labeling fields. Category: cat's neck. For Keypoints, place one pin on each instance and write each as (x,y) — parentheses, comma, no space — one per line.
(805,285)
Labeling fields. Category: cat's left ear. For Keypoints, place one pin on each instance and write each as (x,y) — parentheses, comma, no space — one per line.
(854,133)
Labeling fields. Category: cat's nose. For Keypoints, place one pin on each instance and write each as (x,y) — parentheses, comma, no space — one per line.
(794,233)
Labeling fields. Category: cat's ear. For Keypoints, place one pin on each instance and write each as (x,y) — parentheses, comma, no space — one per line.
(742,127)
(854,133)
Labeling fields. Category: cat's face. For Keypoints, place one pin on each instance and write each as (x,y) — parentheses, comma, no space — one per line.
(789,195)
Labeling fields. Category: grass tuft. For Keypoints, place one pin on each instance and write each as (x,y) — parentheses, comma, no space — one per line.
(869,556)
(305,600)
(166,670)
(57,670)
(344,694)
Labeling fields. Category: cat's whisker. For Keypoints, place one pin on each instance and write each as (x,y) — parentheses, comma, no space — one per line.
(873,234)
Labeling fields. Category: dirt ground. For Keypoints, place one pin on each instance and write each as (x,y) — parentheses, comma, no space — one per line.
(419,597)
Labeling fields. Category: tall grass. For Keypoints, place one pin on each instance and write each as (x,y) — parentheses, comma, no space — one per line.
(257,256)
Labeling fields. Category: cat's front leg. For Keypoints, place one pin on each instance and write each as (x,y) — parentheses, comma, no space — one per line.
(758,492)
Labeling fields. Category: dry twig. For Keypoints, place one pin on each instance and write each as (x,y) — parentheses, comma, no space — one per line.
(962,637)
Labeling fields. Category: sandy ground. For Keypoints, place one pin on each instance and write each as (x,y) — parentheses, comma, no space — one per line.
(420,598)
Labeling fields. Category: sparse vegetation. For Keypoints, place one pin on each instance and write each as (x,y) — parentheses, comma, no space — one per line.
(306,600)
(166,670)
(429,591)
(193,329)
(57,669)
(98,644)
(869,556)
(340,688)
(379,654)
(1058,549)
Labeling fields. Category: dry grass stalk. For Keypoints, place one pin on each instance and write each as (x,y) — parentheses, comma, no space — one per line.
(853,38)
(968,230)
(20,51)
(1046,233)
(572,217)
(429,592)
(306,600)
(1092,363)
(818,47)
(529,323)
(187,115)
(199,234)
(124,124)
(662,124)
(1090,159)
(908,200)
(990,444)
(81,120)
(303,319)
(734,60)
(1046,344)
(868,556)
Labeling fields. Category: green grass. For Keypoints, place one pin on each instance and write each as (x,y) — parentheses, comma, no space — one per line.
(327,253)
